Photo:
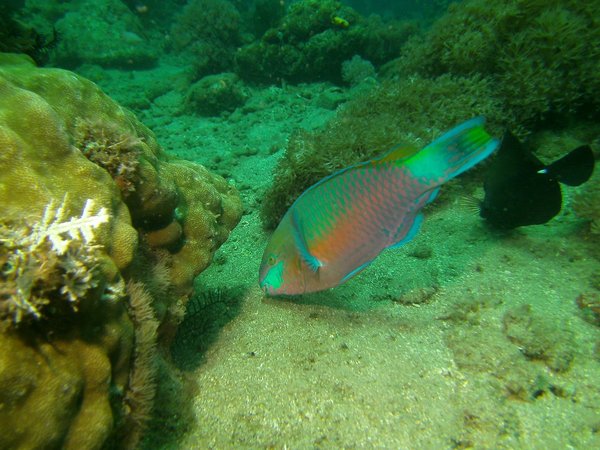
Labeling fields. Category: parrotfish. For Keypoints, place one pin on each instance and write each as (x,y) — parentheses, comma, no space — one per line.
(338,226)
(521,190)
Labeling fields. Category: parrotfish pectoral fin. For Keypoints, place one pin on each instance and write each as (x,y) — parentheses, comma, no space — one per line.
(355,271)
(454,152)
(412,224)
(431,196)
(300,241)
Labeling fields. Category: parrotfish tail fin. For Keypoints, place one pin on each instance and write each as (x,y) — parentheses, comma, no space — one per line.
(453,153)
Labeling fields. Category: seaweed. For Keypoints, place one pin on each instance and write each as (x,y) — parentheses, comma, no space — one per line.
(587,204)
(313,39)
(109,147)
(207,33)
(541,56)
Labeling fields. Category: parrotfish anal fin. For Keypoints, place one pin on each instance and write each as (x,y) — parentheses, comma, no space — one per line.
(301,245)
(412,231)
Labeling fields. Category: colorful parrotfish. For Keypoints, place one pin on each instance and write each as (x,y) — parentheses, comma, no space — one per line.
(338,226)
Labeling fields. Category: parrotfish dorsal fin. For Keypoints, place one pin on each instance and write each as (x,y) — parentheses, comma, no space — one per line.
(396,155)
(300,241)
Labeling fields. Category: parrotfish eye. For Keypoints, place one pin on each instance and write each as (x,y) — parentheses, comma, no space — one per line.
(271,260)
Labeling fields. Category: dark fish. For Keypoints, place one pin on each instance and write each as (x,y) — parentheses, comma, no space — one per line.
(521,190)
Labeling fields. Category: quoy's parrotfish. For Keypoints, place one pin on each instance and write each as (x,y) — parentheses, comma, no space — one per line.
(521,190)
(338,226)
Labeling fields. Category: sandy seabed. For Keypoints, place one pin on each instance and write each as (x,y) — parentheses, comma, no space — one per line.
(463,338)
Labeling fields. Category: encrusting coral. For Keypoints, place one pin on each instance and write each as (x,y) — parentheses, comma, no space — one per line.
(90,204)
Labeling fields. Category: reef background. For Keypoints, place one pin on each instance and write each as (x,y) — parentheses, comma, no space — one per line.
(465,337)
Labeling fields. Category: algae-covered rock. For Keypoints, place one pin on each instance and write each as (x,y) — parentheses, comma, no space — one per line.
(106,33)
(314,38)
(216,94)
(101,236)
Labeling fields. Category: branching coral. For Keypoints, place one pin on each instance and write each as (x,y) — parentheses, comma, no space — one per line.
(51,263)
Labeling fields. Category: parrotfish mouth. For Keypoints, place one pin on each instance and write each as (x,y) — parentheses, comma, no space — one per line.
(266,285)
(273,279)
(268,290)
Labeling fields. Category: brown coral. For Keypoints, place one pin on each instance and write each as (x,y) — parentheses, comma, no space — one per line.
(65,261)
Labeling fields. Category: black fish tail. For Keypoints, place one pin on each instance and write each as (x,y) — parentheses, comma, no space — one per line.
(574,168)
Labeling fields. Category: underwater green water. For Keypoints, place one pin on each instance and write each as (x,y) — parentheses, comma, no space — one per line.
(466,337)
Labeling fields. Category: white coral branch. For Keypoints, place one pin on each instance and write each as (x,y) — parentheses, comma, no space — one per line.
(61,232)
